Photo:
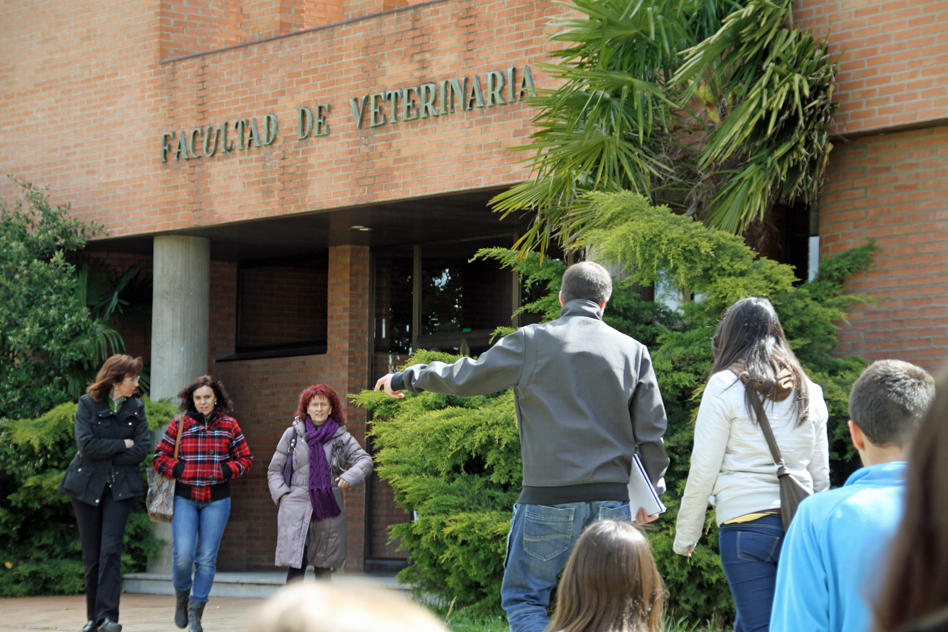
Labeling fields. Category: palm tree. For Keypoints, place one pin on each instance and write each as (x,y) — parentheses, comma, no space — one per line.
(718,108)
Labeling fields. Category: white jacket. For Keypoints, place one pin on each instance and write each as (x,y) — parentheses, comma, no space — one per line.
(731,465)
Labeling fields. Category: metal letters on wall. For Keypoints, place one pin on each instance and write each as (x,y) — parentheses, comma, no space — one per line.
(388,107)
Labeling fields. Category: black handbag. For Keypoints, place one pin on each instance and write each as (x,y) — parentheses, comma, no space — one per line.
(288,465)
(792,491)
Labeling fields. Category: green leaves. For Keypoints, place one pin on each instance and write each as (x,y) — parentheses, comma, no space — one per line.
(456,462)
(720,109)
(40,313)
(774,142)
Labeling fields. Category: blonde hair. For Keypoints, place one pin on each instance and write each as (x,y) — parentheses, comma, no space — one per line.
(610,584)
(326,607)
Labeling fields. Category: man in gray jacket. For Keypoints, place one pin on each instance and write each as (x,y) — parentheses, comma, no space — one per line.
(587,399)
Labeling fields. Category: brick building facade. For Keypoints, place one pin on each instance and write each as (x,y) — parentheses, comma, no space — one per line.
(337,156)
(888,174)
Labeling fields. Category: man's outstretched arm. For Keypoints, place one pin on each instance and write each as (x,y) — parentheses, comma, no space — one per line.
(498,368)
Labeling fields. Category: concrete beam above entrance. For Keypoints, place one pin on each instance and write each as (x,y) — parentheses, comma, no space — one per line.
(414,221)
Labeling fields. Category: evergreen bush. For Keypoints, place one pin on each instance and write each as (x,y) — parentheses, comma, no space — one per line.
(456,461)
(51,343)
(39,539)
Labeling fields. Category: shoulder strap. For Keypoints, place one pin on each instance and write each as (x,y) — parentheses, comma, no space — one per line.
(177,442)
(765,425)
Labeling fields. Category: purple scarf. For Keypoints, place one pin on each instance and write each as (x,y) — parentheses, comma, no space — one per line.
(320,478)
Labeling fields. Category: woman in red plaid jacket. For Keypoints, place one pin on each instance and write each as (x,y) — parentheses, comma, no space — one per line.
(213,451)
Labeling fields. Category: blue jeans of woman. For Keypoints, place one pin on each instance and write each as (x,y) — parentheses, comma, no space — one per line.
(749,554)
(538,546)
(196,530)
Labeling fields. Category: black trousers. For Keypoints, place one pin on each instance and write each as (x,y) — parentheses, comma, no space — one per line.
(101,529)
(297,573)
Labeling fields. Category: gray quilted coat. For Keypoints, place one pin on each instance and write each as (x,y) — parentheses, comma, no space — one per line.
(327,538)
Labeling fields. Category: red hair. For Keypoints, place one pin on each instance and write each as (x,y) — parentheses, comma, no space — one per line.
(321,389)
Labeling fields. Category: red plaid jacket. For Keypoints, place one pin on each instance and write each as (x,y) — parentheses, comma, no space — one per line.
(208,458)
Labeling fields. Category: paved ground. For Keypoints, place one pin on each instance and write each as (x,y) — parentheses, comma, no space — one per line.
(139,613)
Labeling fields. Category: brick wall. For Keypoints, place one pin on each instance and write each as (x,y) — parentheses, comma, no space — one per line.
(893,188)
(192,26)
(101,80)
(894,69)
(282,304)
(266,392)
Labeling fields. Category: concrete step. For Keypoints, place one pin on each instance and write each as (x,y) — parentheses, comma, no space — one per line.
(255,584)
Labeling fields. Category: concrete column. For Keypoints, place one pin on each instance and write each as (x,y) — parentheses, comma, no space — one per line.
(179,331)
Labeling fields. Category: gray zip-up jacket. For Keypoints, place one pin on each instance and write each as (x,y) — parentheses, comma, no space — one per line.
(586,398)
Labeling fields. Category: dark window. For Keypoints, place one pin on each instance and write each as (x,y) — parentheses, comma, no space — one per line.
(282,307)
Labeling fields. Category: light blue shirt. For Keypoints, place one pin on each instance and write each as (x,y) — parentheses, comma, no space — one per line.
(833,557)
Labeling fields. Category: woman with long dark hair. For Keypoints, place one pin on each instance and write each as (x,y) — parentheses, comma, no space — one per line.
(326,459)
(731,463)
(914,596)
(113,439)
(213,452)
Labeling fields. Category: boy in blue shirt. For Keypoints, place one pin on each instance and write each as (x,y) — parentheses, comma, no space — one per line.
(835,549)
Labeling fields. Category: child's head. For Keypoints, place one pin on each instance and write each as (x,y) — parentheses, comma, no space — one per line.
(610,584)
(327,607)
(888,401)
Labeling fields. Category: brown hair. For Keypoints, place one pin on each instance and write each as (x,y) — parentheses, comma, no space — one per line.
(750,335)
(223,404)
(889,399)
(115,369)
(916,583)
(610,584)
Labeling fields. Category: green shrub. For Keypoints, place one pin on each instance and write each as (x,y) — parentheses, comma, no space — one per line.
(38,534)
(456,461)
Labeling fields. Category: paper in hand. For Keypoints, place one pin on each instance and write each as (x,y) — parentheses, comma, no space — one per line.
(641,491)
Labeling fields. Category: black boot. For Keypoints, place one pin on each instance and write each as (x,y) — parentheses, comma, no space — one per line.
(195,612)
(92,626)
(181,608)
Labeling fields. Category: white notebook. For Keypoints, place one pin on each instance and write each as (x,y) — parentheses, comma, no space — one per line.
(641,491)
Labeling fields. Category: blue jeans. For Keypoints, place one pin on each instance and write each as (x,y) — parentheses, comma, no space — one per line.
(538,546)
(749,554)
(196,530)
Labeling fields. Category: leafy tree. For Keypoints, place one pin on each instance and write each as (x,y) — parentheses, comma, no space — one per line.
(719,108)
(39,540)
(49,341)
(456,461)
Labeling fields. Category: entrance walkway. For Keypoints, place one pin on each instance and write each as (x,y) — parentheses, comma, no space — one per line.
(142,612)
(139,613)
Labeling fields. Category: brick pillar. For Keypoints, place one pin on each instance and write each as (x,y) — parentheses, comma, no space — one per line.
(362,8)
(266,18)
(320,12)
(348,342)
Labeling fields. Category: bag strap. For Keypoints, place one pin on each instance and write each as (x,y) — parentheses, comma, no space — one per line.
(765,426)
(177,442)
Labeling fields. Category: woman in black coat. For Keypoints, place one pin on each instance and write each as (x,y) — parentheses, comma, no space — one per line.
(113,439)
